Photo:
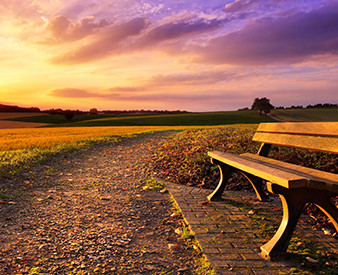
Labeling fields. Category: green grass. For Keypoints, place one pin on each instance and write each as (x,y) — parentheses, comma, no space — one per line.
(57,119)
(186,119)
(310,114)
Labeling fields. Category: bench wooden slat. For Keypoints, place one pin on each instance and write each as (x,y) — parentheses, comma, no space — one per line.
(306,128)
(317,179)
(325,144)
(271,174)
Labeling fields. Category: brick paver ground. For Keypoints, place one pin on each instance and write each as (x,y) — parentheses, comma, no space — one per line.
(227,234)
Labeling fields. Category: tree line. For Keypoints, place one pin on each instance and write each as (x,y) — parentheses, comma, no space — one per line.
(263,106)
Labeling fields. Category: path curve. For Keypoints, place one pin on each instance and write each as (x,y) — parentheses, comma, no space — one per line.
(88,211)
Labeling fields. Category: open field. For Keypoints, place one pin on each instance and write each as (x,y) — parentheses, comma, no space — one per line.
(186,119)
(19,115)
(4,124)
(16,139)
(57,119)
(310,114)
(8,124)
(20,148)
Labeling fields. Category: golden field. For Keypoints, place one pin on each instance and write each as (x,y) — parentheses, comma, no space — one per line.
(16,139)
(43,138)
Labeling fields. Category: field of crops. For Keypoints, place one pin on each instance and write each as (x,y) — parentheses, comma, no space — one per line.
(20,148)
(309,114)
(185,119)
(23,147)
(43,138)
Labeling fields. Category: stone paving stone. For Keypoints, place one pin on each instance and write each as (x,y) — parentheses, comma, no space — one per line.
(232,271)
(224,230)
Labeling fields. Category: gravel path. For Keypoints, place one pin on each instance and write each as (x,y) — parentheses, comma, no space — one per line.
(88,212)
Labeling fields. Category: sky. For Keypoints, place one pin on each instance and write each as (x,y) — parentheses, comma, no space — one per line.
(167,54)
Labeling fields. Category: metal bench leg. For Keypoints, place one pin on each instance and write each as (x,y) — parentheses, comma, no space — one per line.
(293,202)
(257,184)
(225,173)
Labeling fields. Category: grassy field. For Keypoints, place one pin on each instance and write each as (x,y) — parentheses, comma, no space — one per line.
(24,147)
(187,119)
(19,115)
(311,114)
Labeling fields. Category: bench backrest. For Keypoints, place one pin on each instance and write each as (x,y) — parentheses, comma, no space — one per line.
(321,136)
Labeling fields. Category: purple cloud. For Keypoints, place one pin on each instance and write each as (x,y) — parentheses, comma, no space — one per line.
(175,30)
(104,43)
(241,5)
(284,40)
(207,77)
(64,29)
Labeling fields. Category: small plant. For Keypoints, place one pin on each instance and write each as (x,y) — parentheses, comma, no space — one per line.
(153,185)
(37,271)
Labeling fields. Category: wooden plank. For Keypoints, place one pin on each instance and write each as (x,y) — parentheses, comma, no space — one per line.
(325,144)
(317,179)
(308,128)
(261,170)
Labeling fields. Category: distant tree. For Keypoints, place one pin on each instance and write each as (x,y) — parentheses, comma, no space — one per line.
(262,105)
(93,111)
(68,114)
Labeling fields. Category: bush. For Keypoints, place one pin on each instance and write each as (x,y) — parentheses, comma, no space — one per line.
(183,158)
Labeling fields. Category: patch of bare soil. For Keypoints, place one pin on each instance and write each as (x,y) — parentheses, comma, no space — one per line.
(4,115)
(88,213)
(5,124)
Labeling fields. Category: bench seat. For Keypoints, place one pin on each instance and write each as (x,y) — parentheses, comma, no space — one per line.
(284,174)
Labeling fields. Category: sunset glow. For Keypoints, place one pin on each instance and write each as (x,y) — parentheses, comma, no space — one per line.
(189,55)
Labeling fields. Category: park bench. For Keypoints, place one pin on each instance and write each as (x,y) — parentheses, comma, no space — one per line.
(296,185)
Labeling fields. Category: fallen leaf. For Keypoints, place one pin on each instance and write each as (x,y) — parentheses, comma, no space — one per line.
(205,202)
(251,212)
(2,202)
(172,246)
(327,231)
(277,209)
(174,215)
(124,189)
(178,231)
(309,259)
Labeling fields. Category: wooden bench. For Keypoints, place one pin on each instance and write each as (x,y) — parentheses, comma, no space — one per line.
(296,185)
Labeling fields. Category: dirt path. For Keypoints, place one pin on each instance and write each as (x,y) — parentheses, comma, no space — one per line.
(88,212)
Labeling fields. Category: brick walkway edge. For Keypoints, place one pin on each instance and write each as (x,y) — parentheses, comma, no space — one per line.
(224,230)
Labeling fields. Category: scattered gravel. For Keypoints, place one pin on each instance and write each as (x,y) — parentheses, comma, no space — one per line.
(88,212)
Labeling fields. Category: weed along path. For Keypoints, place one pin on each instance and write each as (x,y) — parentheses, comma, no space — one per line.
(92,212)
